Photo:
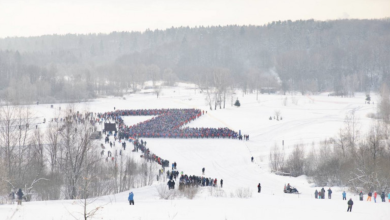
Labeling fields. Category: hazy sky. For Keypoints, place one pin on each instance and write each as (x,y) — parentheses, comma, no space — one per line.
(39,17)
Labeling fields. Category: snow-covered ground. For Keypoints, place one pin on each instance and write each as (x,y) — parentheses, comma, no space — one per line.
(306,119)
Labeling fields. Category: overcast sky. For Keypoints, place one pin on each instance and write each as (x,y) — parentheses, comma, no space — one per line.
(40,17)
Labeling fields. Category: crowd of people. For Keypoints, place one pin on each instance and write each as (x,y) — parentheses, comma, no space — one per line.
(167,124)
(190,180)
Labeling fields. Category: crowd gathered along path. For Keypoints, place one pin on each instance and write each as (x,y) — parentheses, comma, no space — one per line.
(167,124)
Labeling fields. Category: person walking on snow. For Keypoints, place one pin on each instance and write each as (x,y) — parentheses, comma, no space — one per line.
(203,169)
(131,198)
(375,195)
(344,196)
(361,195)
(221,182)
(316,194)
(259,188)
(252,159)
(350,204)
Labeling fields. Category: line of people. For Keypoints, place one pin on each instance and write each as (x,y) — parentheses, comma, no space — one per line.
(375,194)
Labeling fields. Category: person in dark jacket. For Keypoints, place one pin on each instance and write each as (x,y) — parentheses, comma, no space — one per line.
(20,196)
(316,194)
(361,195)
(329,193)
(221,182)
(203,169)
(350,204)
(383,197)
(369,196)
(252,159)
(259,188)
(322,193)
(131,198)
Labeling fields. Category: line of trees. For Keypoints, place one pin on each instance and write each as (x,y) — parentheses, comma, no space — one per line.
(59,161)
(343,56)
(352,159)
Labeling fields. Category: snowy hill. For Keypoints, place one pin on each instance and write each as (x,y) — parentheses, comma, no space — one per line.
(306,119)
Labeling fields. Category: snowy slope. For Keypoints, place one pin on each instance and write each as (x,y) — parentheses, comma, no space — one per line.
(306,119)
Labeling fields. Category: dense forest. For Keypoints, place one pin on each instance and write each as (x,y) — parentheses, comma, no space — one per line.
(341,56)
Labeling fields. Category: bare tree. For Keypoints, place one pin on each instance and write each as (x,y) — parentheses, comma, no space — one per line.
(276,159)
(384,105)
(277,114)
(75,140)
(296,161)
(157,90)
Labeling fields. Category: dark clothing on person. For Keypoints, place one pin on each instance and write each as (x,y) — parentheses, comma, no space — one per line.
(259,188)
(322,193)
(20,196)
(350,204)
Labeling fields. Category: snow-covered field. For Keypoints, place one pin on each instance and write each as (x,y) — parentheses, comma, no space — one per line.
(306,120)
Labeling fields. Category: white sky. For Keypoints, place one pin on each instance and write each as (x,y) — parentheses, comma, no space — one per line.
(39,17)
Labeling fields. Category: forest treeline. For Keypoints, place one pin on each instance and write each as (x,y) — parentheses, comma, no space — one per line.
(342,56)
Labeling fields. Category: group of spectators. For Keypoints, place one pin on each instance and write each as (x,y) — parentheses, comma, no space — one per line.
(321,194)
(167,124)
(375,194)
(195,181)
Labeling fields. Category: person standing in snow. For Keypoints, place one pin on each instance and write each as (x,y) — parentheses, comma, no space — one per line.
(369,196)
(350,204)
(252,159)
(203,169)
(344,195)
(20,196)
(329,193)
(131,198)
(259,188)
(221,182)
(361,195)
(316,194)
(322,193)
(383,197)
(375,195)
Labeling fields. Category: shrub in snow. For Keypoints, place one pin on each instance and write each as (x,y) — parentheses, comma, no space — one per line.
(216,192)
(165,193)
(243,193)
(189,192)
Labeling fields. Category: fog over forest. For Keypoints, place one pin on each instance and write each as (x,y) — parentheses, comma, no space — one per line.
(339,56)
